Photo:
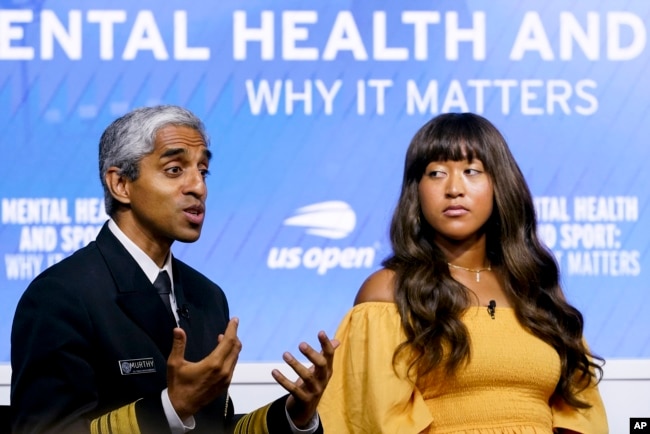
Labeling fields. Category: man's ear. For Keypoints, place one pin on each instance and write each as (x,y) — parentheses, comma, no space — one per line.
(118,185)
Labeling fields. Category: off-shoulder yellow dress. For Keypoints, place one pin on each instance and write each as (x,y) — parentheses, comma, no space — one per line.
(505,388)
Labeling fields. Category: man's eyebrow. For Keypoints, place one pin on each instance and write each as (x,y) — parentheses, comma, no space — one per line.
(172,152)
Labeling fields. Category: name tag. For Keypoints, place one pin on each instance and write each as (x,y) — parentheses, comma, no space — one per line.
(137,366)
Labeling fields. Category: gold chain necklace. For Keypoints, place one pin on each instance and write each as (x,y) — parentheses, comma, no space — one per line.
(472,270)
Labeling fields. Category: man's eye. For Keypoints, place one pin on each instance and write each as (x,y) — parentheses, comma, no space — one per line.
(175,170)
(205,173)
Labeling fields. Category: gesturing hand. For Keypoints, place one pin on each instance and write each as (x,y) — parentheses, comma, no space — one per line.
(306,391)
(193,385)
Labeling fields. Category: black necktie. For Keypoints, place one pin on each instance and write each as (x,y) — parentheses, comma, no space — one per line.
(164,287)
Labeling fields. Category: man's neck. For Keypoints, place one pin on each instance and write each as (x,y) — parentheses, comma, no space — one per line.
(156,251)
(141,256)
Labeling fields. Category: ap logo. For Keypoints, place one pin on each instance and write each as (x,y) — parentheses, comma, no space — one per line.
(640,425)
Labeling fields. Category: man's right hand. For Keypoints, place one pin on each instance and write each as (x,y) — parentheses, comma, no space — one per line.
(191,386)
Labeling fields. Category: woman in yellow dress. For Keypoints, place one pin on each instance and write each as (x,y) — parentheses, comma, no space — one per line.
(465,329)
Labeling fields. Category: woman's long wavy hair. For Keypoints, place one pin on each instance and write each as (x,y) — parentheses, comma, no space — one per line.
(431,302)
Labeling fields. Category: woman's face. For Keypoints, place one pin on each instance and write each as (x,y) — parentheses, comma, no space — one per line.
(456,198)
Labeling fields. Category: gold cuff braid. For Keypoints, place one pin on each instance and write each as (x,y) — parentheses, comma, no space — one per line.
(120,421)
(254,422)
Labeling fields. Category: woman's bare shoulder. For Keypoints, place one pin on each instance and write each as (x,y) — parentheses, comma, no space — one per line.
(379,286)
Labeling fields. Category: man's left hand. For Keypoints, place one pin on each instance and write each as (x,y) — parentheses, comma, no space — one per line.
(306,391)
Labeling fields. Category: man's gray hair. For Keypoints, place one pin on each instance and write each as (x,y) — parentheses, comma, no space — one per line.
(131,137)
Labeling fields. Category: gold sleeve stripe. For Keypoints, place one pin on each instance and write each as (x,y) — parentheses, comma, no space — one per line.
(254,422)
(120,421)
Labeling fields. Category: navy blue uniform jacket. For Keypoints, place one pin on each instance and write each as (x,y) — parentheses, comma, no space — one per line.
(89,345)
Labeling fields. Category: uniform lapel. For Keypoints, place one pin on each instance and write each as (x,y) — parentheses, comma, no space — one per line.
(190,317)
(135,294)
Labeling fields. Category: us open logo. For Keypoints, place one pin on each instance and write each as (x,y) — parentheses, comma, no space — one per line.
(333,220)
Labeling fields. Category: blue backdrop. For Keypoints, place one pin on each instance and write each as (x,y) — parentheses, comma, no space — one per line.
(310,107)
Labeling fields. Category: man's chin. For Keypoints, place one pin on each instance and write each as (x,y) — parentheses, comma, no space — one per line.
(189,237)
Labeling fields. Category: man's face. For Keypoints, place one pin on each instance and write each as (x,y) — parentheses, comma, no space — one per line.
(167,201)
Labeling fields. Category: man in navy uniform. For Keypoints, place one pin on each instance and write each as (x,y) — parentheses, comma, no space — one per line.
(121,337)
